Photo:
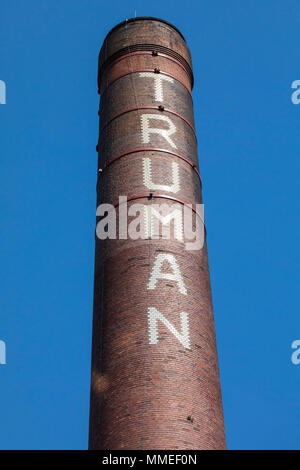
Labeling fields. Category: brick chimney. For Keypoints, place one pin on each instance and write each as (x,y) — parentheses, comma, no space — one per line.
(155,379)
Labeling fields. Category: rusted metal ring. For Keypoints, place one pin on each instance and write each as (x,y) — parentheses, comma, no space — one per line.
(153,149)
(106,66)
(162,196)
(143,70)
(136,108)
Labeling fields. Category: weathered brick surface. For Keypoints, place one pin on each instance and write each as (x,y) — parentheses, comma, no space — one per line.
(144,61)
(140,92)
(136,35)
(144,32)
(144,395)
(114,139)
(119,179)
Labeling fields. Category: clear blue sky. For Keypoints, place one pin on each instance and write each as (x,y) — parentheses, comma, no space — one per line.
(245,56)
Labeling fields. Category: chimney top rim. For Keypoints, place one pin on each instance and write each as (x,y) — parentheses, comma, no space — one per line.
(143,18)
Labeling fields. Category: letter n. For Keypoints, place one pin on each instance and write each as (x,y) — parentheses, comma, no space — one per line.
(154,315)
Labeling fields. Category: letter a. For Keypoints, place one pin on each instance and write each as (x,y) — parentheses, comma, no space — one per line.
(158,274)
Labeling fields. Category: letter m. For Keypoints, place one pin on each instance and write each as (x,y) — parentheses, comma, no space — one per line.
(153,217)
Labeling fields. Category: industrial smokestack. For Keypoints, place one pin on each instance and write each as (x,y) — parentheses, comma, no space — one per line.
(155,379)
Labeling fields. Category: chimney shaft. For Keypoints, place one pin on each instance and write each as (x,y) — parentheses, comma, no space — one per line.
(155,379)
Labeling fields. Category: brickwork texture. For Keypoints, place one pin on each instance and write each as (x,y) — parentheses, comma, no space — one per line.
(155,379)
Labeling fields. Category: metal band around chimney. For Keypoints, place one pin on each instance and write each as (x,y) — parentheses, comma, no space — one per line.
(152,149)
(162,196)
(143,70)
(157,108)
